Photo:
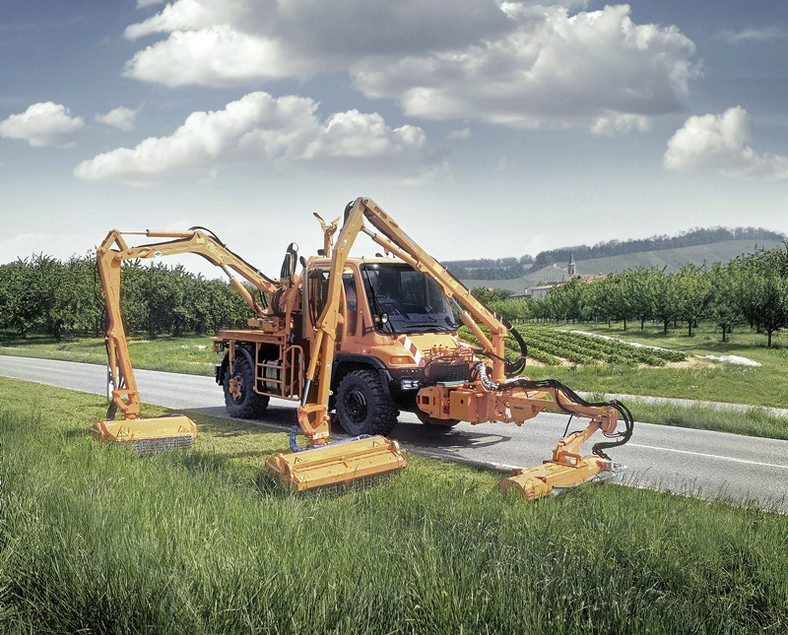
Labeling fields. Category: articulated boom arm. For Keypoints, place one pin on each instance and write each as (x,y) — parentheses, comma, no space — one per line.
(114,250)
(485,399)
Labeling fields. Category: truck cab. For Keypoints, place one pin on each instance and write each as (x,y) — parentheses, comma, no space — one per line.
(393,318)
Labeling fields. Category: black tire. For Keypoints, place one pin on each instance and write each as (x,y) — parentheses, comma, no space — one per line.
(239,396)
(363,405)
(432,422)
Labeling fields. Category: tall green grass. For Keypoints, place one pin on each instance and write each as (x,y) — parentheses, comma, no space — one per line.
(95,539)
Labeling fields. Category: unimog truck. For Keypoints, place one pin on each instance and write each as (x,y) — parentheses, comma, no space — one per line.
(356,340)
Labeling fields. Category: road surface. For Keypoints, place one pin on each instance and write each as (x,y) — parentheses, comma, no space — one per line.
(694,462)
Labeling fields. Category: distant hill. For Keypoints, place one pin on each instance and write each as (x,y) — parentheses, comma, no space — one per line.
(695,247)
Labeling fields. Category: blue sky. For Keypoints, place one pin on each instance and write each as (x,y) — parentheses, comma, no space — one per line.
(485,128)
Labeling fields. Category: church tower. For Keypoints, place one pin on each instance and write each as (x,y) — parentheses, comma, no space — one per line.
(571,267)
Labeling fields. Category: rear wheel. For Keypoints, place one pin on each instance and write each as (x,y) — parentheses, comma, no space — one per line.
(363,405)
(239,396)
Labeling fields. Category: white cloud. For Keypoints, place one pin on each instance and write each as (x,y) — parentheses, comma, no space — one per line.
(362,136)
(612,124)
(121,118)
(43,124)
(463,134)
(215,56)
(510,63)
(554,68)
(260,128)
(721,143)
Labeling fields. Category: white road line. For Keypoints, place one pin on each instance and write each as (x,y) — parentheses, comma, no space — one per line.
(708,456)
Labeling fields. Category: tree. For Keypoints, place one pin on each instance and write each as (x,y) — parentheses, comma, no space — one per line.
(772,289)
(666,298)
(77,304)
(725,304)
(612,299)
(694,294)
(638,286)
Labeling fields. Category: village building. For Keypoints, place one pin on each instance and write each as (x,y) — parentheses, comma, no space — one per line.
(570,273)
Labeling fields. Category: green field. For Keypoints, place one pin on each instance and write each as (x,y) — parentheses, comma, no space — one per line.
(702,379)
(599,367)
(97,540)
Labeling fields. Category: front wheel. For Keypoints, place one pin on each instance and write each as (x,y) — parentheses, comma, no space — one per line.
(363,406)
(239,396)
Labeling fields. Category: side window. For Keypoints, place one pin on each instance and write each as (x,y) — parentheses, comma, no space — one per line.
(351,298)
(318,293)
(350,291)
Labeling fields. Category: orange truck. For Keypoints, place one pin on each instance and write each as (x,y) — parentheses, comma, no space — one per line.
(356,340)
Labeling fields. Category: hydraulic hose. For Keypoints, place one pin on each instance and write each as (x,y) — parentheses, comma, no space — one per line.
(530,384)
(297,448)
(517,367)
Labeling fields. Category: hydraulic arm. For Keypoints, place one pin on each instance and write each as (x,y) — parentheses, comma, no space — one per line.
(479,399)
(149,435)
(294,346)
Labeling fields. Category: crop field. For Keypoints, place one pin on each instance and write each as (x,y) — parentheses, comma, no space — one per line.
(554,347)
(96,539)
(703,376)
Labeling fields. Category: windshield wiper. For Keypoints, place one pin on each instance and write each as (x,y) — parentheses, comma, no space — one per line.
(378,309)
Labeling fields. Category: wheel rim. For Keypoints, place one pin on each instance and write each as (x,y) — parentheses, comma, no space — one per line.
(356,405)
(235,386)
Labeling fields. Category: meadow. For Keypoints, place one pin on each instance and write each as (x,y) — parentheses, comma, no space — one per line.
(95,539)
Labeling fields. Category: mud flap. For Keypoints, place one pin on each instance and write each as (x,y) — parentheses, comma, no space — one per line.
(337,465)
(551,477)
(147,436)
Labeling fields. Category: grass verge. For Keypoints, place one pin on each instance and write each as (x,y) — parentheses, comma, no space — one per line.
(94,539)
(751,422)
(192,354)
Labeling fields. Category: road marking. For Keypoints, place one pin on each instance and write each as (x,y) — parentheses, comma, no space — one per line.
(709,456)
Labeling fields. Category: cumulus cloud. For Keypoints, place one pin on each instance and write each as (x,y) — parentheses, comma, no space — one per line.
(721,143)
(43,124)
(261,128)
(121,118)
(518,64)
(556,68)
(341,30)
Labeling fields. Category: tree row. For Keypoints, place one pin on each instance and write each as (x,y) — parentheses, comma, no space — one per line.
(44,295)
(750,290)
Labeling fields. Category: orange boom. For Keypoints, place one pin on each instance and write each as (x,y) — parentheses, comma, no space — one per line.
(356,340)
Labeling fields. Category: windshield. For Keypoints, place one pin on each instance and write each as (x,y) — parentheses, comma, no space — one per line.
(411,300)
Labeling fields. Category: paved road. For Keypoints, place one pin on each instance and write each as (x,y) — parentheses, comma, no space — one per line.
(695,462)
